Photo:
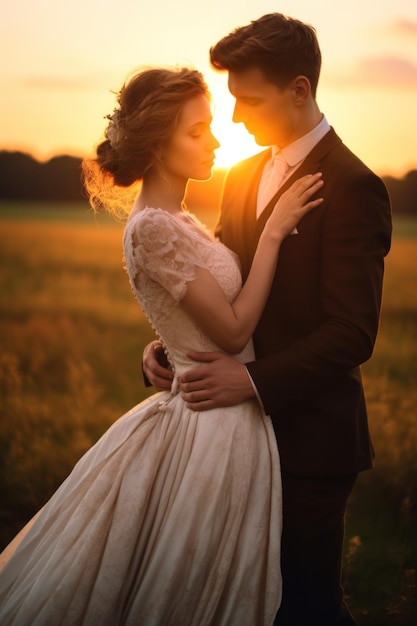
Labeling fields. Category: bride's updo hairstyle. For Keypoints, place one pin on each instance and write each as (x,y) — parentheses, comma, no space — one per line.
(148,111)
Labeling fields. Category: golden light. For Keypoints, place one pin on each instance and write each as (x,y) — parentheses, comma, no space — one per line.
(235,142)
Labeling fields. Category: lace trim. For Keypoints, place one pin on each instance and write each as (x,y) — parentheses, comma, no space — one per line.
(167,249)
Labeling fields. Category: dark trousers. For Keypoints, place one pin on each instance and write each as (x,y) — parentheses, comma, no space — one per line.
(312,543)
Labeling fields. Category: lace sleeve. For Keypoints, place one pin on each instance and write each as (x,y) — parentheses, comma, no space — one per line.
(165,251)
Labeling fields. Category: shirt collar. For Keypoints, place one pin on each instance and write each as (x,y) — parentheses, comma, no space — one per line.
(298,150)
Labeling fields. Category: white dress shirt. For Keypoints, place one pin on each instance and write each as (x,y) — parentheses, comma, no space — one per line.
(294,154)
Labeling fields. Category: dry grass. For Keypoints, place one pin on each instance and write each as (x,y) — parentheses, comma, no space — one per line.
(71,342)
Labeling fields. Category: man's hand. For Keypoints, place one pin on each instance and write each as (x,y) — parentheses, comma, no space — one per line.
(218,382)
(156,367)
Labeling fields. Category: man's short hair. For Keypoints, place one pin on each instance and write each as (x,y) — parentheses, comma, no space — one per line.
(280,46)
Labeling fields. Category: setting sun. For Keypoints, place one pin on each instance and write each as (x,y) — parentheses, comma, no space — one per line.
(235,142)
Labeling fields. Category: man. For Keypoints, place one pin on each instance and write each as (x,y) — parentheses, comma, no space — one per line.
(321,319)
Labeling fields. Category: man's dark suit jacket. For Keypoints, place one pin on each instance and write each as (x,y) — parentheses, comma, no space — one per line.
(321,319)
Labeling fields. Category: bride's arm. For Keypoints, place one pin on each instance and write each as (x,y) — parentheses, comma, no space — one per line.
(230,325)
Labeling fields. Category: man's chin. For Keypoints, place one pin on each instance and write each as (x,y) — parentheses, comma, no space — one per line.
(261,141)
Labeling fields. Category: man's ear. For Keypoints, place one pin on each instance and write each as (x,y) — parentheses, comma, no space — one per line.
(301,88)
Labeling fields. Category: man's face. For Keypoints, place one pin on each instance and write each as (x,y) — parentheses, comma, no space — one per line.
(267,111)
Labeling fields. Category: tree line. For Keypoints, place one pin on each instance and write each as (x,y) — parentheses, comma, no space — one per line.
(24,178)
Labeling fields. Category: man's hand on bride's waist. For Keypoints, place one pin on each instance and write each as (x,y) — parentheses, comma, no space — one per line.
(218,381)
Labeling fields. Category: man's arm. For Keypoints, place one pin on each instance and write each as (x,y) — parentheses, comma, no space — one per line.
(355,238)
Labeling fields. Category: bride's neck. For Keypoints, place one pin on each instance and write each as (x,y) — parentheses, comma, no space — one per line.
(162,192)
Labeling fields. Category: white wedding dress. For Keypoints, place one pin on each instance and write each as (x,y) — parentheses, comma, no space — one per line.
(174,517)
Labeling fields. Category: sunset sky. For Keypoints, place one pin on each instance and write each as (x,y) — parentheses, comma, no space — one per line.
(61,61)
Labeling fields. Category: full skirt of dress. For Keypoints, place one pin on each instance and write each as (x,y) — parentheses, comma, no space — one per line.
(173,518)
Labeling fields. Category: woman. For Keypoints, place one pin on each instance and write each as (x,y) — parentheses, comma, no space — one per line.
(173,517)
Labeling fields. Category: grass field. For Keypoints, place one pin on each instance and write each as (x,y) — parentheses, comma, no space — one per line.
(71,341)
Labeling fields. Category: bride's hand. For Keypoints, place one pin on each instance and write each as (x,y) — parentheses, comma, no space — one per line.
(293,205)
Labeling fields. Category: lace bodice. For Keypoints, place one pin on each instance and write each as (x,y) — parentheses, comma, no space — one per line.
(162,252)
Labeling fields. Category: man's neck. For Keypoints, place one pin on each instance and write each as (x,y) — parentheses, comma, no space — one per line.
(308,119)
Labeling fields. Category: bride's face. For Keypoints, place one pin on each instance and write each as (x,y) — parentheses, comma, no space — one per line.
(190,151)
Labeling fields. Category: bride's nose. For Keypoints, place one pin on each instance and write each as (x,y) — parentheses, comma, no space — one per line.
(214,144)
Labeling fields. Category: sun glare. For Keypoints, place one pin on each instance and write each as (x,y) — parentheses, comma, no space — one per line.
(235,142)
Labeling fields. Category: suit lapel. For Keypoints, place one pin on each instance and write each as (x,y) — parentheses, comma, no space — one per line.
(244,210)
(310,165)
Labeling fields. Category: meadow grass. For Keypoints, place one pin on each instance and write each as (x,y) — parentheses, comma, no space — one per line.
(71,342)
(381,543)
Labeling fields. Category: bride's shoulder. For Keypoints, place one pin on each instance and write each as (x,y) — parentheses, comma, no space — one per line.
(155,230)
(150,217)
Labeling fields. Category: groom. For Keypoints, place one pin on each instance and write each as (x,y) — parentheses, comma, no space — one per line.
(321,319)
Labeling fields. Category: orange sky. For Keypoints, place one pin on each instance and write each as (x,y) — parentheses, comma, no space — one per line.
(61,62)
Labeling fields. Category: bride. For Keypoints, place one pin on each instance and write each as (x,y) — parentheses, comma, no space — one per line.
(173,517)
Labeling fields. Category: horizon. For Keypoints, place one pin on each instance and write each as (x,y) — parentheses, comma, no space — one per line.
(63,71)
(216,168)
